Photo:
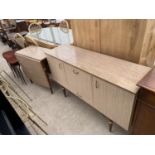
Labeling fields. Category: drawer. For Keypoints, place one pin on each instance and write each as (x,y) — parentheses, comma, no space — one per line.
(147,97)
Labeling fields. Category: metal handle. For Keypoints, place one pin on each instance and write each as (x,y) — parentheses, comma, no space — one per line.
(97,84)
(75,72)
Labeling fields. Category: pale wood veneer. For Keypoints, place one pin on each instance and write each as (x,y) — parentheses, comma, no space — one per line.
(32,62)
(121,73)
(108,84)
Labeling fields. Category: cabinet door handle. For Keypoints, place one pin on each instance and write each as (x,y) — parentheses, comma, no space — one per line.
(60,66)
(75,72)
(96,84)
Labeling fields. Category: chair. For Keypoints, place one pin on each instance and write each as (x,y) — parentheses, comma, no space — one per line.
(64,26)
(20,40)
(10,57)
(34,27)
(33,42)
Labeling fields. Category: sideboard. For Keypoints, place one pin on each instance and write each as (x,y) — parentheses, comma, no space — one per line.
(106,83)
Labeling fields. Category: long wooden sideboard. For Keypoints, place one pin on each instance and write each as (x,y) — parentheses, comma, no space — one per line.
(106,83)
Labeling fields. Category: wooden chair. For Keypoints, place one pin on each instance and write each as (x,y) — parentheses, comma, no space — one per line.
(20,40)
(32,42)
(34,27)
(64,26)
(10,57)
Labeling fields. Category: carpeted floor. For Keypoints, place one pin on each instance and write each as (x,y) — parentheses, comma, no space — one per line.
(63,115)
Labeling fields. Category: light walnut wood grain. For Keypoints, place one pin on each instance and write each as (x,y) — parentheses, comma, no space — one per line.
(129,39)
(57,70)
(33,70)
(121,73)
(31,59)
(113,102)
(122,38)
(79,82)
(106,83)
(33,52)
(86,34)
(147,56)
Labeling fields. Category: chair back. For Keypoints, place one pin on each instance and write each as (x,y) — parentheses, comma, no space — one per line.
(64,26)
(20,40)
(33,42)
(34,27)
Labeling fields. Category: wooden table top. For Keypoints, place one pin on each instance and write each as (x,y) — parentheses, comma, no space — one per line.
(119,72)
(52,35)
(33,52)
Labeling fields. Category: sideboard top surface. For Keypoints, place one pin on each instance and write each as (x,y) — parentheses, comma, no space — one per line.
(117,71)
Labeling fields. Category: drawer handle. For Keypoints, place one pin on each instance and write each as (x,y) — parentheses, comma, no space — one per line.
(75,72)
(96,84)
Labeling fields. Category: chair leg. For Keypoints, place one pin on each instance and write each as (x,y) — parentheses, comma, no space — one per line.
(12,69)
(21,75)
(51,88)
(110,123)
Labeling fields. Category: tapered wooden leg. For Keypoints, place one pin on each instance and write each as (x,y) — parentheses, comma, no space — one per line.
(51,88)
(110,122)
(65,92)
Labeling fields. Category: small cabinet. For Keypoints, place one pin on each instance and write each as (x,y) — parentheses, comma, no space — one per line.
(113,102)
(33,69)
(57,70)
(79,82)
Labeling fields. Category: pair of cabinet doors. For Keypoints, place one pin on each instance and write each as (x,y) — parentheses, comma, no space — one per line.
(114,102)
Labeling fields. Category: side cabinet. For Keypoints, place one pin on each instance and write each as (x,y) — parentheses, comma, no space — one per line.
(34,70)
(144,113)
(113,102)
(144,116)
(57,70)
(79,82)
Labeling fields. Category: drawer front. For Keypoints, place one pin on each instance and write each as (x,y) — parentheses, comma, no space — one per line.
(144,117)
(57,70)
(147,97)
(79,82)
(113,102)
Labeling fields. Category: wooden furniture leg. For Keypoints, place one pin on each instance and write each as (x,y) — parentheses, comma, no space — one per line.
(21,74)
(65,92)
(110,123)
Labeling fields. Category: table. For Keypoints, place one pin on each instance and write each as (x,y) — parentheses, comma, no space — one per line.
(51,37)
(106,83)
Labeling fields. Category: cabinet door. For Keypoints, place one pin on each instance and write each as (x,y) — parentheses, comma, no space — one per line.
(114,102)
(57,69)
(79,82)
